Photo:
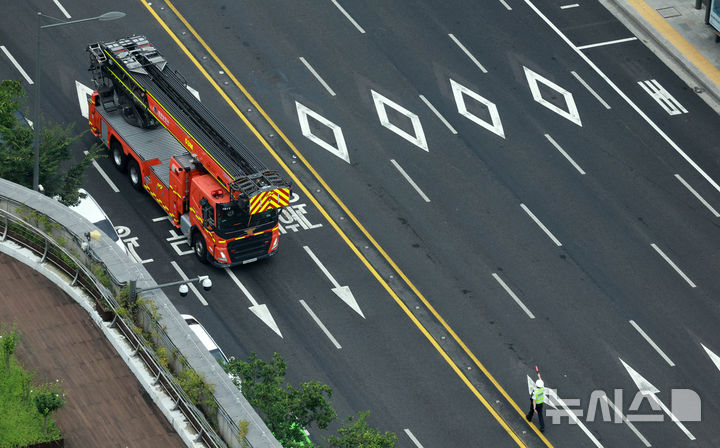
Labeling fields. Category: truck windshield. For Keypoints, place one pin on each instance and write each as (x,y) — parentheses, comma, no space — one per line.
(230,218)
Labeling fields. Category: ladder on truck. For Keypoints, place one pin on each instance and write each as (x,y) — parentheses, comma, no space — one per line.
(132,68)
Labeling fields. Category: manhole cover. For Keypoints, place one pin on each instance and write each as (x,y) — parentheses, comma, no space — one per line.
(668,12)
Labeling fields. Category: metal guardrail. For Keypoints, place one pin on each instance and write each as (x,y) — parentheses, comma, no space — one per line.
(23,233)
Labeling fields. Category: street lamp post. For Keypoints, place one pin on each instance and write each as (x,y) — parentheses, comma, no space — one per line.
(204,280)
(112,15)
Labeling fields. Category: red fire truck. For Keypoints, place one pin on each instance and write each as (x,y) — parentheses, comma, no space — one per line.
(220,195)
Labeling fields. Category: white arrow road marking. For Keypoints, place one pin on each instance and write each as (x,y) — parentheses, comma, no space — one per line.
(104,175)
(647,389)
(552,395)
(190,285)
(260,310)
(320,324)
(340,150)
(82,94)
(571,113)
(652,343)
(713,357)
(413,438)
(627,422)
(341,291)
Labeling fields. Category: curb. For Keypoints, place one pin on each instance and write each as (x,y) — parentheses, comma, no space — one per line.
(665,51)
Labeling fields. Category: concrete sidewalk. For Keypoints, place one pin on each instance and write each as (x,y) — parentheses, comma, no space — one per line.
(106,405)
(677,33)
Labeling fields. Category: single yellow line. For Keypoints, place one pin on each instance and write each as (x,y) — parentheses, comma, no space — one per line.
(360,256)
(675,38)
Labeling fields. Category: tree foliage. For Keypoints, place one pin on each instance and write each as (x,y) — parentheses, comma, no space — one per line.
(355,433)
(58,174)
(285,409)
(48,399)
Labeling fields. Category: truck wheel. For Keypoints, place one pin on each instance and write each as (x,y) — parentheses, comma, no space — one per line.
(135,174)
(198,244)
(118,156)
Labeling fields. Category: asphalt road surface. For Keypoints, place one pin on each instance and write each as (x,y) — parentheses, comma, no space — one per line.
(496,188)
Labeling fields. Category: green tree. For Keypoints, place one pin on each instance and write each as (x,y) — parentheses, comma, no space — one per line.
(48,399)
(58,175)
(8,343)
(285,409)
(356,434)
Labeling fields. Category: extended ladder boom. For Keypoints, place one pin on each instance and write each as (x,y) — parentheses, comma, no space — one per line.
(132,72)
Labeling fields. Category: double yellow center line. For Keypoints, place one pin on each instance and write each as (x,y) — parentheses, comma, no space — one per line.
(458,371)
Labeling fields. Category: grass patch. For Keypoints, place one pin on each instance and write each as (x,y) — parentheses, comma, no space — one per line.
(20,422)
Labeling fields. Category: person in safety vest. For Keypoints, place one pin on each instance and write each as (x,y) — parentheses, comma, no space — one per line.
(537,398)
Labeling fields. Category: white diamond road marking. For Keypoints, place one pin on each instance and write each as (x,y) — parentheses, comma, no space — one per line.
(340,150)
(663,97)
(571,113)
(459,91)
(418,139)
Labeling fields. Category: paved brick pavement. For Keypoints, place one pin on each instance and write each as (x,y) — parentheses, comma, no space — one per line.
(106,406)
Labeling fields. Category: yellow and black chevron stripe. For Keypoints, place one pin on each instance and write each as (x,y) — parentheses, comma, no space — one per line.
(277,198)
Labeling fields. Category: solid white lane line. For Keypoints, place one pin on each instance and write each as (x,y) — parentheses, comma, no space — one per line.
(697,195)
(627,422)
(320,324)
(506,5)
(407,178)
(674,266)
(610,42)
(104,175)
(65,13)
(574,5)
(319,78)
(652,343)
(436,112)
(465,50)
(541,225)
(512,294)
(190,285)
(15,63)
(590,89)
(342,10)
(562,151)
(412,437)
(625,97)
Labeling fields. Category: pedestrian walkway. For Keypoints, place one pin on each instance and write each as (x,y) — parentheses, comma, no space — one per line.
(679,30)
(106,405)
